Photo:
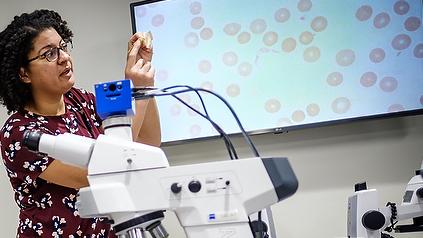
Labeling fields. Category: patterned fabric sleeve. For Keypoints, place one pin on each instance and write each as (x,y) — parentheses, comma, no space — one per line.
(23,166)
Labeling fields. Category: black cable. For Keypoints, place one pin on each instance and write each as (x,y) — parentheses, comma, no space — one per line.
(251,225)
(228,143)
(142,89)
(244,133)
(393,217)
(165,93)
(231,149)
(384,235)
(193,89)
(260,225)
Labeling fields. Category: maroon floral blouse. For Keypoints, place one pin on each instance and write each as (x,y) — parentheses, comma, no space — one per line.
(47,209)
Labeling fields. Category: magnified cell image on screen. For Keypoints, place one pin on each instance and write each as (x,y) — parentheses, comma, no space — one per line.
(283,64)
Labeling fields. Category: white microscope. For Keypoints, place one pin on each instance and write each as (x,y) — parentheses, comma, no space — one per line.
(132,183)
(367,220)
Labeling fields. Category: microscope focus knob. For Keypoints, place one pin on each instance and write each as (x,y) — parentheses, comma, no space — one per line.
(373,220)
(176,188)
(419,193)
(194,186)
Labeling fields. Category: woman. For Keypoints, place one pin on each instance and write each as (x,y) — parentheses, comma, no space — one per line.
(36,85)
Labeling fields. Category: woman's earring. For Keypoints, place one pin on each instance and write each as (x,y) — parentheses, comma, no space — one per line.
(23,76)
(24,79)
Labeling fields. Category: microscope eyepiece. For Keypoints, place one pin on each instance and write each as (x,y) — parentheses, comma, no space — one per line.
(31,139)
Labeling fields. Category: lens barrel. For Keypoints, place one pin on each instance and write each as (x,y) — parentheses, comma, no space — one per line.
(31,140)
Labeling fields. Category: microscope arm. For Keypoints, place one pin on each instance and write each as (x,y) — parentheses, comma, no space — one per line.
(409,211)
(71,149)
(403,212)
(92,154)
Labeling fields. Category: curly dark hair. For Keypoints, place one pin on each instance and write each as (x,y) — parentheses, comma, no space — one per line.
(16,41)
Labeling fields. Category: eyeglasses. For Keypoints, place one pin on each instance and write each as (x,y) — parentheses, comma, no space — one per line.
(53,53)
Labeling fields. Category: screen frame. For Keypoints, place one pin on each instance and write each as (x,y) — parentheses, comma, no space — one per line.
(278,130)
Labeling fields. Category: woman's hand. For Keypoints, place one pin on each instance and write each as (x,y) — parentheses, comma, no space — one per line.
(138,64)
(146,40)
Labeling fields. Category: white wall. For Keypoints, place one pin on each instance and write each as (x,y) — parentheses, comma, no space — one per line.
(327,161)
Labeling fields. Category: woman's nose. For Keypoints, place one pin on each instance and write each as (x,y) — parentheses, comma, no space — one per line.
(63,56)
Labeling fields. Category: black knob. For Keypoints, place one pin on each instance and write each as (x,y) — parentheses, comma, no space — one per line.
(259,229)
(194,186)
(176,188)
(360,186)
(373,220)
(419,193)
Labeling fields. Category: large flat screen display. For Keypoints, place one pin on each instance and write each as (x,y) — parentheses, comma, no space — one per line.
(284,64)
